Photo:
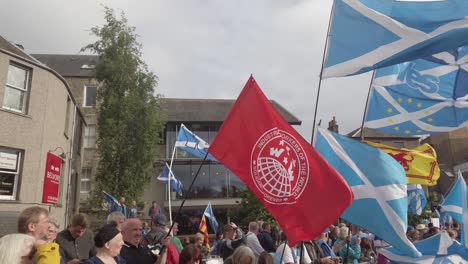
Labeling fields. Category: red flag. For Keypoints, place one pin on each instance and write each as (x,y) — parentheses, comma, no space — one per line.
(291,179)
(204,229)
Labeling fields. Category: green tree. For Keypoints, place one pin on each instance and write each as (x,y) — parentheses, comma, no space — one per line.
(129,120)
(251,210)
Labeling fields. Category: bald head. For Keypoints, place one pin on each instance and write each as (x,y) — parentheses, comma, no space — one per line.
(131,231)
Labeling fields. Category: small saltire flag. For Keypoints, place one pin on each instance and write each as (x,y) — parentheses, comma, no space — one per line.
(416,199)
(367,35)
(456,205)
(281,168)
(379,186)
(211,217)
(419,97)
(193,144)
(176,184)
(420,163)
(437,249)
(111,200)
(204,229)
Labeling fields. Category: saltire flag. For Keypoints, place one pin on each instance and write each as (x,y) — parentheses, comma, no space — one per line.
(193,144)
(176,184)
(417,200)
(456,205)
(111,200)
(379,185)
(420,163)
(287,175)
(367,35)
(211,217)
(437,249)
(204,229)
(424,96)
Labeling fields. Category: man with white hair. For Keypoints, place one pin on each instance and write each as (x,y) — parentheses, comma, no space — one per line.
(117,218)
(252,240)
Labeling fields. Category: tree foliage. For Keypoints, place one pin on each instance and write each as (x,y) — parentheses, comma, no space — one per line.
(129,120)
(251,210)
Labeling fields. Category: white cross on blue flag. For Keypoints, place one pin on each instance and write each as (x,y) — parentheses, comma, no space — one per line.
(416,199)
(176,184)
(456,205)
(193,144)
(367,35)
(424,96)
(378,183)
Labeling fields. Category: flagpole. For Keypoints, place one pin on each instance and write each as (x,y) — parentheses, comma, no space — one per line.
(186,195)
(169,181)
(321,72)
(367,105)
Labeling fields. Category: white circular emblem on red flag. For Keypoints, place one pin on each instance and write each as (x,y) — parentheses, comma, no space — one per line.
(279,167)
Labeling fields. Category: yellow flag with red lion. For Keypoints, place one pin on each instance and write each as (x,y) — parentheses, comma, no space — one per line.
(420,163)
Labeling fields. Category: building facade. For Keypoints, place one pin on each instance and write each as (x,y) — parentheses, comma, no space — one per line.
(39,116)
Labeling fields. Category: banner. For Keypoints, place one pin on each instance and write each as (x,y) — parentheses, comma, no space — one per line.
(420,163)
(289,177)
(50,192)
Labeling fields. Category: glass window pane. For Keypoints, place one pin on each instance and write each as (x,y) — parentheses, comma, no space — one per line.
(85,186)
(235,185)
(218,181)
(13,99)
(201,187)
(7,183)
(17,77)
(182,172)
(90,99)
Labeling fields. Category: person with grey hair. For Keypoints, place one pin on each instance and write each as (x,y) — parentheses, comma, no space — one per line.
(52,232)
(242,255)
(17,248)
(117,218)
(252,240)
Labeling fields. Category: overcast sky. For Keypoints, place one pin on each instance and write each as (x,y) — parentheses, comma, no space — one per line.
(208,49)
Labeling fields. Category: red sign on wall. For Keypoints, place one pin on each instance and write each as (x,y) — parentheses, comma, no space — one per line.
(52,179)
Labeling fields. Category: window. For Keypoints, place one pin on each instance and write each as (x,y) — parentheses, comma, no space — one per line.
(10,161)
(16,89)
(89,96)
(90,136)
(67,117)
(86,176)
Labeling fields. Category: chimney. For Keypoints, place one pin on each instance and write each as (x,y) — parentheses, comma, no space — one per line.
(333,126)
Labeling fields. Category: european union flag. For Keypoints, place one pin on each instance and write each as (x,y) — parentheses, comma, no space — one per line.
(176,184)
(188,141)
(456,205)
(211,217)
(379,185)
(416,199)
(424,96)
(437,249)
(367,35)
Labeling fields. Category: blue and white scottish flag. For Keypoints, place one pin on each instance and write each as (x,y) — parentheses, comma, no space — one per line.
(111,200)
(416,199)
(176,184)
(379,185)
(424,96)
(367,35)
(437,249)
(456,205)
(211,217)
(191,143)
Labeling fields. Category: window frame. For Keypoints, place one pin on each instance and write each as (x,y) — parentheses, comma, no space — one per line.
(88,179)
(86,137)
(25,90)
(85,94)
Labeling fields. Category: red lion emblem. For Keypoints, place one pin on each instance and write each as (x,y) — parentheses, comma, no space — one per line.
(400,157)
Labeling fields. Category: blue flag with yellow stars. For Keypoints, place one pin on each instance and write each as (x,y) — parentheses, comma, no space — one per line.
(424,96)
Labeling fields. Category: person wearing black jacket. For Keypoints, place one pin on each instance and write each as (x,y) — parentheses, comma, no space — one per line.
(265,238)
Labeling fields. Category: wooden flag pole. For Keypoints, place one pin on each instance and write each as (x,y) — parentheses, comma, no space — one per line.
(321,72)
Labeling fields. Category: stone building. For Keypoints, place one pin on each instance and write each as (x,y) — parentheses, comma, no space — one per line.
(39,115)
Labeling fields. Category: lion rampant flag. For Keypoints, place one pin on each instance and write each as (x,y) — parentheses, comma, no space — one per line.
(204,229)
(301,190)
(420,163)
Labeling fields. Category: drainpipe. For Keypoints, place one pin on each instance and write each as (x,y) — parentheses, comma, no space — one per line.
(70,159)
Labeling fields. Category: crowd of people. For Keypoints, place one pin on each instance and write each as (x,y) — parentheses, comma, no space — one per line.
(124,239)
